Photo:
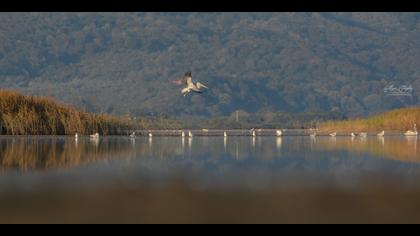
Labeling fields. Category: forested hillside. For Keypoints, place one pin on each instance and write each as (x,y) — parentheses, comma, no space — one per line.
(123,63)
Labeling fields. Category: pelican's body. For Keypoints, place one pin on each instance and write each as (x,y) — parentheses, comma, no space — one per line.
(333,134)
(279,133)
(94,136)
(353,135)
(381,134)
(313,135)
(363,135)
(76,136)
(253,134)
(190,134)
(190,86)
(133,135)
(225,134)
(150,134)
(412,132)
(182,134)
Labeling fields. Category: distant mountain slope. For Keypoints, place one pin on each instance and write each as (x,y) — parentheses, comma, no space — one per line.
(290,62)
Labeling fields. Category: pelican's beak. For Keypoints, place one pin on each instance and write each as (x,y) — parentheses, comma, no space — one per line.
(178,82)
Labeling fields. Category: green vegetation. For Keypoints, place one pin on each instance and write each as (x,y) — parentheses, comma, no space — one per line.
(28,115)
(396,120)
(122,63)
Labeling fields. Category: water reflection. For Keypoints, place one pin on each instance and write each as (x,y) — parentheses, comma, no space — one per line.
(278,143)
(42,153)
(394,148)
(115,179)
(190,139)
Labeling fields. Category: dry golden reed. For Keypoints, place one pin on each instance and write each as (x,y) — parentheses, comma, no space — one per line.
(397,120)
(28,115)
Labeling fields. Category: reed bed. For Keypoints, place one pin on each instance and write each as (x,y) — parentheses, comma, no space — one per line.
(396,120)
(29,115)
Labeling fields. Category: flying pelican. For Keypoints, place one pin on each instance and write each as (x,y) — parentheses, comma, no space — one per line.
(412,132)
(381,134)
(279,133)
(190,86)
(333,134)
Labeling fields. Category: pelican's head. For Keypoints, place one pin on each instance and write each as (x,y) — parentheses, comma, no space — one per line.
(188,73)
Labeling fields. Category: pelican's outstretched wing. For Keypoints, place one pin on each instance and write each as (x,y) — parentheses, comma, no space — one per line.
(200,85)
(195,89)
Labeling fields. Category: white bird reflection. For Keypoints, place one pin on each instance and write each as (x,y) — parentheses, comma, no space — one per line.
(133,142)
(95,142)
(190,142)
(382,140)
(150,142)
(278,142)
(237,151)
(333,139)
(253,141)
(412,141)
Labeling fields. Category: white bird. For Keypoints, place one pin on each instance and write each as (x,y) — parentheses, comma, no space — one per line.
(190,134)
(182,134)
(313,135)
(253,134)
(76,136)
(353,135)
(150,134)
(94,136)
(133,135)
(225,134)
(279,133)
(333,134)
(190,86)
(412,132)
(381,134)
(363,135)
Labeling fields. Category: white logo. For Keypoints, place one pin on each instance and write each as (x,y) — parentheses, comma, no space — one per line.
(403,90)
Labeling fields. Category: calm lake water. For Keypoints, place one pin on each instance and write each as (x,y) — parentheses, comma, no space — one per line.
(209,180)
